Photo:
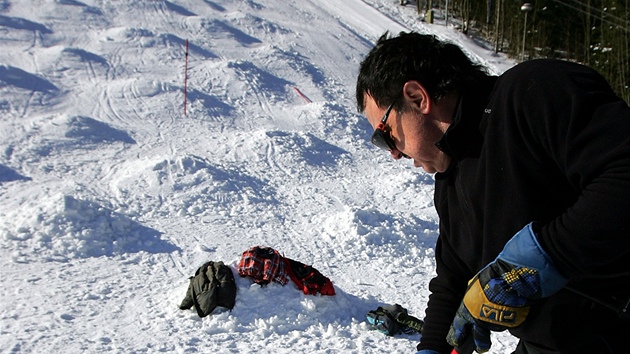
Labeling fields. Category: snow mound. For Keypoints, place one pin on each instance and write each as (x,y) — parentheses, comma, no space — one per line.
(62,227)
(195,186)
(58,134)
(371,234)
(90,130)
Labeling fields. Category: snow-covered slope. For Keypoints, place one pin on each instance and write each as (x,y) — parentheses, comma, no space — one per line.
(111,197)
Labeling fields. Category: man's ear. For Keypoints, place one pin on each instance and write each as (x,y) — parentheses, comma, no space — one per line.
(417,96)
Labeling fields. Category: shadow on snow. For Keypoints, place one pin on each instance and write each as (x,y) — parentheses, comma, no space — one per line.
(19,78)
(8,175)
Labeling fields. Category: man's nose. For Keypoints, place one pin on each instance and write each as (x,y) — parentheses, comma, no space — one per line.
(396,155)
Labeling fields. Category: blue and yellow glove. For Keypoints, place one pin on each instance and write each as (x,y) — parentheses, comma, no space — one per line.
(500,295)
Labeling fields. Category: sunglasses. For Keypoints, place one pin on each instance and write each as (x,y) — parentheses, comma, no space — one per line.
(381,138)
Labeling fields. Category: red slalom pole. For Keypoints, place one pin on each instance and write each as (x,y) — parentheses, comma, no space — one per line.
(308,100)
(186,77)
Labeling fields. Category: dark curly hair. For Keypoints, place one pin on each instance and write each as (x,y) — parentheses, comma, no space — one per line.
(441,67)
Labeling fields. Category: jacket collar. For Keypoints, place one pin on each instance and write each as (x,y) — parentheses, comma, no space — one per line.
(463,138)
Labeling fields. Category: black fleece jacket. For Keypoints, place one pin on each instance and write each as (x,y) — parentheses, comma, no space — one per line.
(547,141)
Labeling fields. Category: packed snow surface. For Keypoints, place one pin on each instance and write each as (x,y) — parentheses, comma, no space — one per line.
(111,196)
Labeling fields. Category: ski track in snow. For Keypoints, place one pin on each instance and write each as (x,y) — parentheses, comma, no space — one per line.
(110,197)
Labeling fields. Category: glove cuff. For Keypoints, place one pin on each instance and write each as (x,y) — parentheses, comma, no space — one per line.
(524,250)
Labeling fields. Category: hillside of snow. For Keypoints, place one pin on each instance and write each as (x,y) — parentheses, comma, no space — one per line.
(111,196)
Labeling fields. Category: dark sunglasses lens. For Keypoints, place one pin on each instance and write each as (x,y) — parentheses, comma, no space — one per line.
(382,140)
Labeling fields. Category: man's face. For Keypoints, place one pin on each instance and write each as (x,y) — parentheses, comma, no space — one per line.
(414,136)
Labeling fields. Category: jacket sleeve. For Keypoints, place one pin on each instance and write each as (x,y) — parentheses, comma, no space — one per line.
(187,302)
(577,122)
(447,290)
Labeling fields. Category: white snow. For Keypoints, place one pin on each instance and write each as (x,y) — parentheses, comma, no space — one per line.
(111,197)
